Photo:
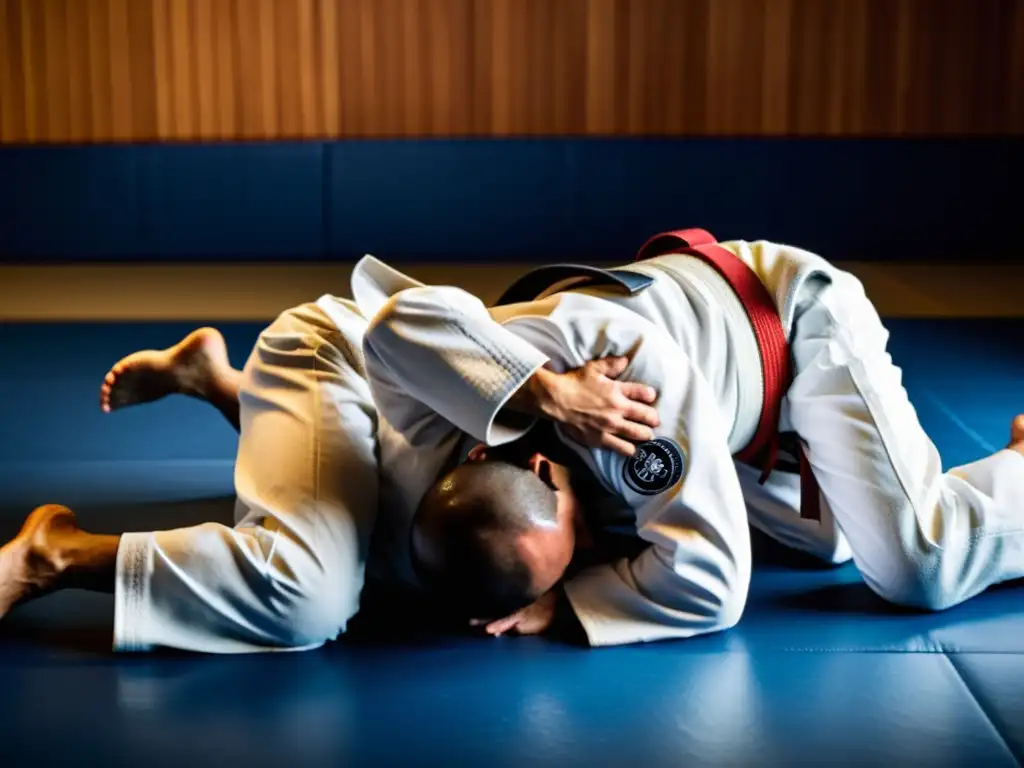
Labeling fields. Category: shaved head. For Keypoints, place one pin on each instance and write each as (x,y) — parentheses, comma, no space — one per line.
(481,537)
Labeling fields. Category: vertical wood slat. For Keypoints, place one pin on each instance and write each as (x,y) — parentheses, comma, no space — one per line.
(33,72)
(305,83)
(1014,66)
(204,44)
(55,62)
(126,70)
(328,63)
(119,69)
(163,73)
(12,80)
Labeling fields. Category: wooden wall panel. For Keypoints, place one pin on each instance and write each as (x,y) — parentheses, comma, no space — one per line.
(142,70)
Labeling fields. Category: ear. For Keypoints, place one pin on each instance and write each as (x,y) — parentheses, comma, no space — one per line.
(540,465)
(478,453)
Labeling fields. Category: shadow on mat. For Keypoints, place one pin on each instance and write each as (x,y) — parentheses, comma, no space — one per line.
(854,599)
(74,641)
(858,599)
(766,551)
(157,516)
(143,516)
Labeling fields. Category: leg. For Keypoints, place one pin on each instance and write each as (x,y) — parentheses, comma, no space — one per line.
(289,575)
(919,536)
(774,509)
(51,552)
(196,366)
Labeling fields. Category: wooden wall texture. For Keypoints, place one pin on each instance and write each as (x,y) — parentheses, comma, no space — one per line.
(143,70)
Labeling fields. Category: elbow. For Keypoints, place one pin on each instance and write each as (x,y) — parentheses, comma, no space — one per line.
(397,327)
(390,311)
(732,591)
(713,595)
(382,325)
(412,307)
(713,608)
(732,604)
(713,603)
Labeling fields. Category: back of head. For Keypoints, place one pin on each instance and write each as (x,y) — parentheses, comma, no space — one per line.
(468,537)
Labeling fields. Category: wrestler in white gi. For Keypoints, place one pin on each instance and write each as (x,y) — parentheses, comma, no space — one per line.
(442,366)
(288,575)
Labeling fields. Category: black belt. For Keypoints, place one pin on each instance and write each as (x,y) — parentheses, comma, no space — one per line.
(535,282)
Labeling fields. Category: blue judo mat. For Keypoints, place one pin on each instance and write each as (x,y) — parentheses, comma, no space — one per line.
(819,672)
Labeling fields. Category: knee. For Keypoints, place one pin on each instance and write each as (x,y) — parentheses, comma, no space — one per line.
(913,584)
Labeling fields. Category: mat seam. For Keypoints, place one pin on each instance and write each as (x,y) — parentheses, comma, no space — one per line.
(990,713)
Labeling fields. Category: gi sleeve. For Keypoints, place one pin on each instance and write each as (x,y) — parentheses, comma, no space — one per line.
(435,353)
(693,578)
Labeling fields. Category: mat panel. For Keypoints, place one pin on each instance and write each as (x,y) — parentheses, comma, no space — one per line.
(504,702)
(170,464)
(997,683)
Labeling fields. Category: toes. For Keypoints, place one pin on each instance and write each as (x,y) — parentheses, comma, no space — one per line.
(1017,429)
(105,389)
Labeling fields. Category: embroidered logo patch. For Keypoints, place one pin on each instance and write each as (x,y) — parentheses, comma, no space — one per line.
(655,467)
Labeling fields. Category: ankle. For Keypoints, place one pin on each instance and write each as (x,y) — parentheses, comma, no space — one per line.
(47,535)
(81,560)
(49,556)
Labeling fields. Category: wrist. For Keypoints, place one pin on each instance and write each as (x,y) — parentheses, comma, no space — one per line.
(538,396)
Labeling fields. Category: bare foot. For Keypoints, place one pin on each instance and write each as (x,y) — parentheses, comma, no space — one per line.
(190,367)
(1017,435)
(28,567)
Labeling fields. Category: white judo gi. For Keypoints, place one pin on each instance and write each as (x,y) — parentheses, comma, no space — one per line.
(441,365)
(288,575)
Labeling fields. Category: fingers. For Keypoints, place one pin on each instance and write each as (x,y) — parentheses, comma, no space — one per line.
(501,626)
(628,430)
(617,444)
(609,437)
(637,392)
(609,366)
(638,413)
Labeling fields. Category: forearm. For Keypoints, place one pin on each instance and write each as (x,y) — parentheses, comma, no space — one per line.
(436,353)
(537,396)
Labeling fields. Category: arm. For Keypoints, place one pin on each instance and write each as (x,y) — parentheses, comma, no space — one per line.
(694,576)
(437,354)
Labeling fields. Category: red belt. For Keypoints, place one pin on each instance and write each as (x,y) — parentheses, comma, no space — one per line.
(763,449)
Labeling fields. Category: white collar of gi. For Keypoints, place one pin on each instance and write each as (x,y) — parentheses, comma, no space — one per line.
(374,283)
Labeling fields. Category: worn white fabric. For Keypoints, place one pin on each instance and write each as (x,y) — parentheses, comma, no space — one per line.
(919,536)
(440,363)
(289,574)
(704,316)
(440,367)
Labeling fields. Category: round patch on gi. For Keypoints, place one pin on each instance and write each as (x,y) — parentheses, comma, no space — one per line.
(655,467)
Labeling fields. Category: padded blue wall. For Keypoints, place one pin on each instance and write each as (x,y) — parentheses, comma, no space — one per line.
(439,200)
